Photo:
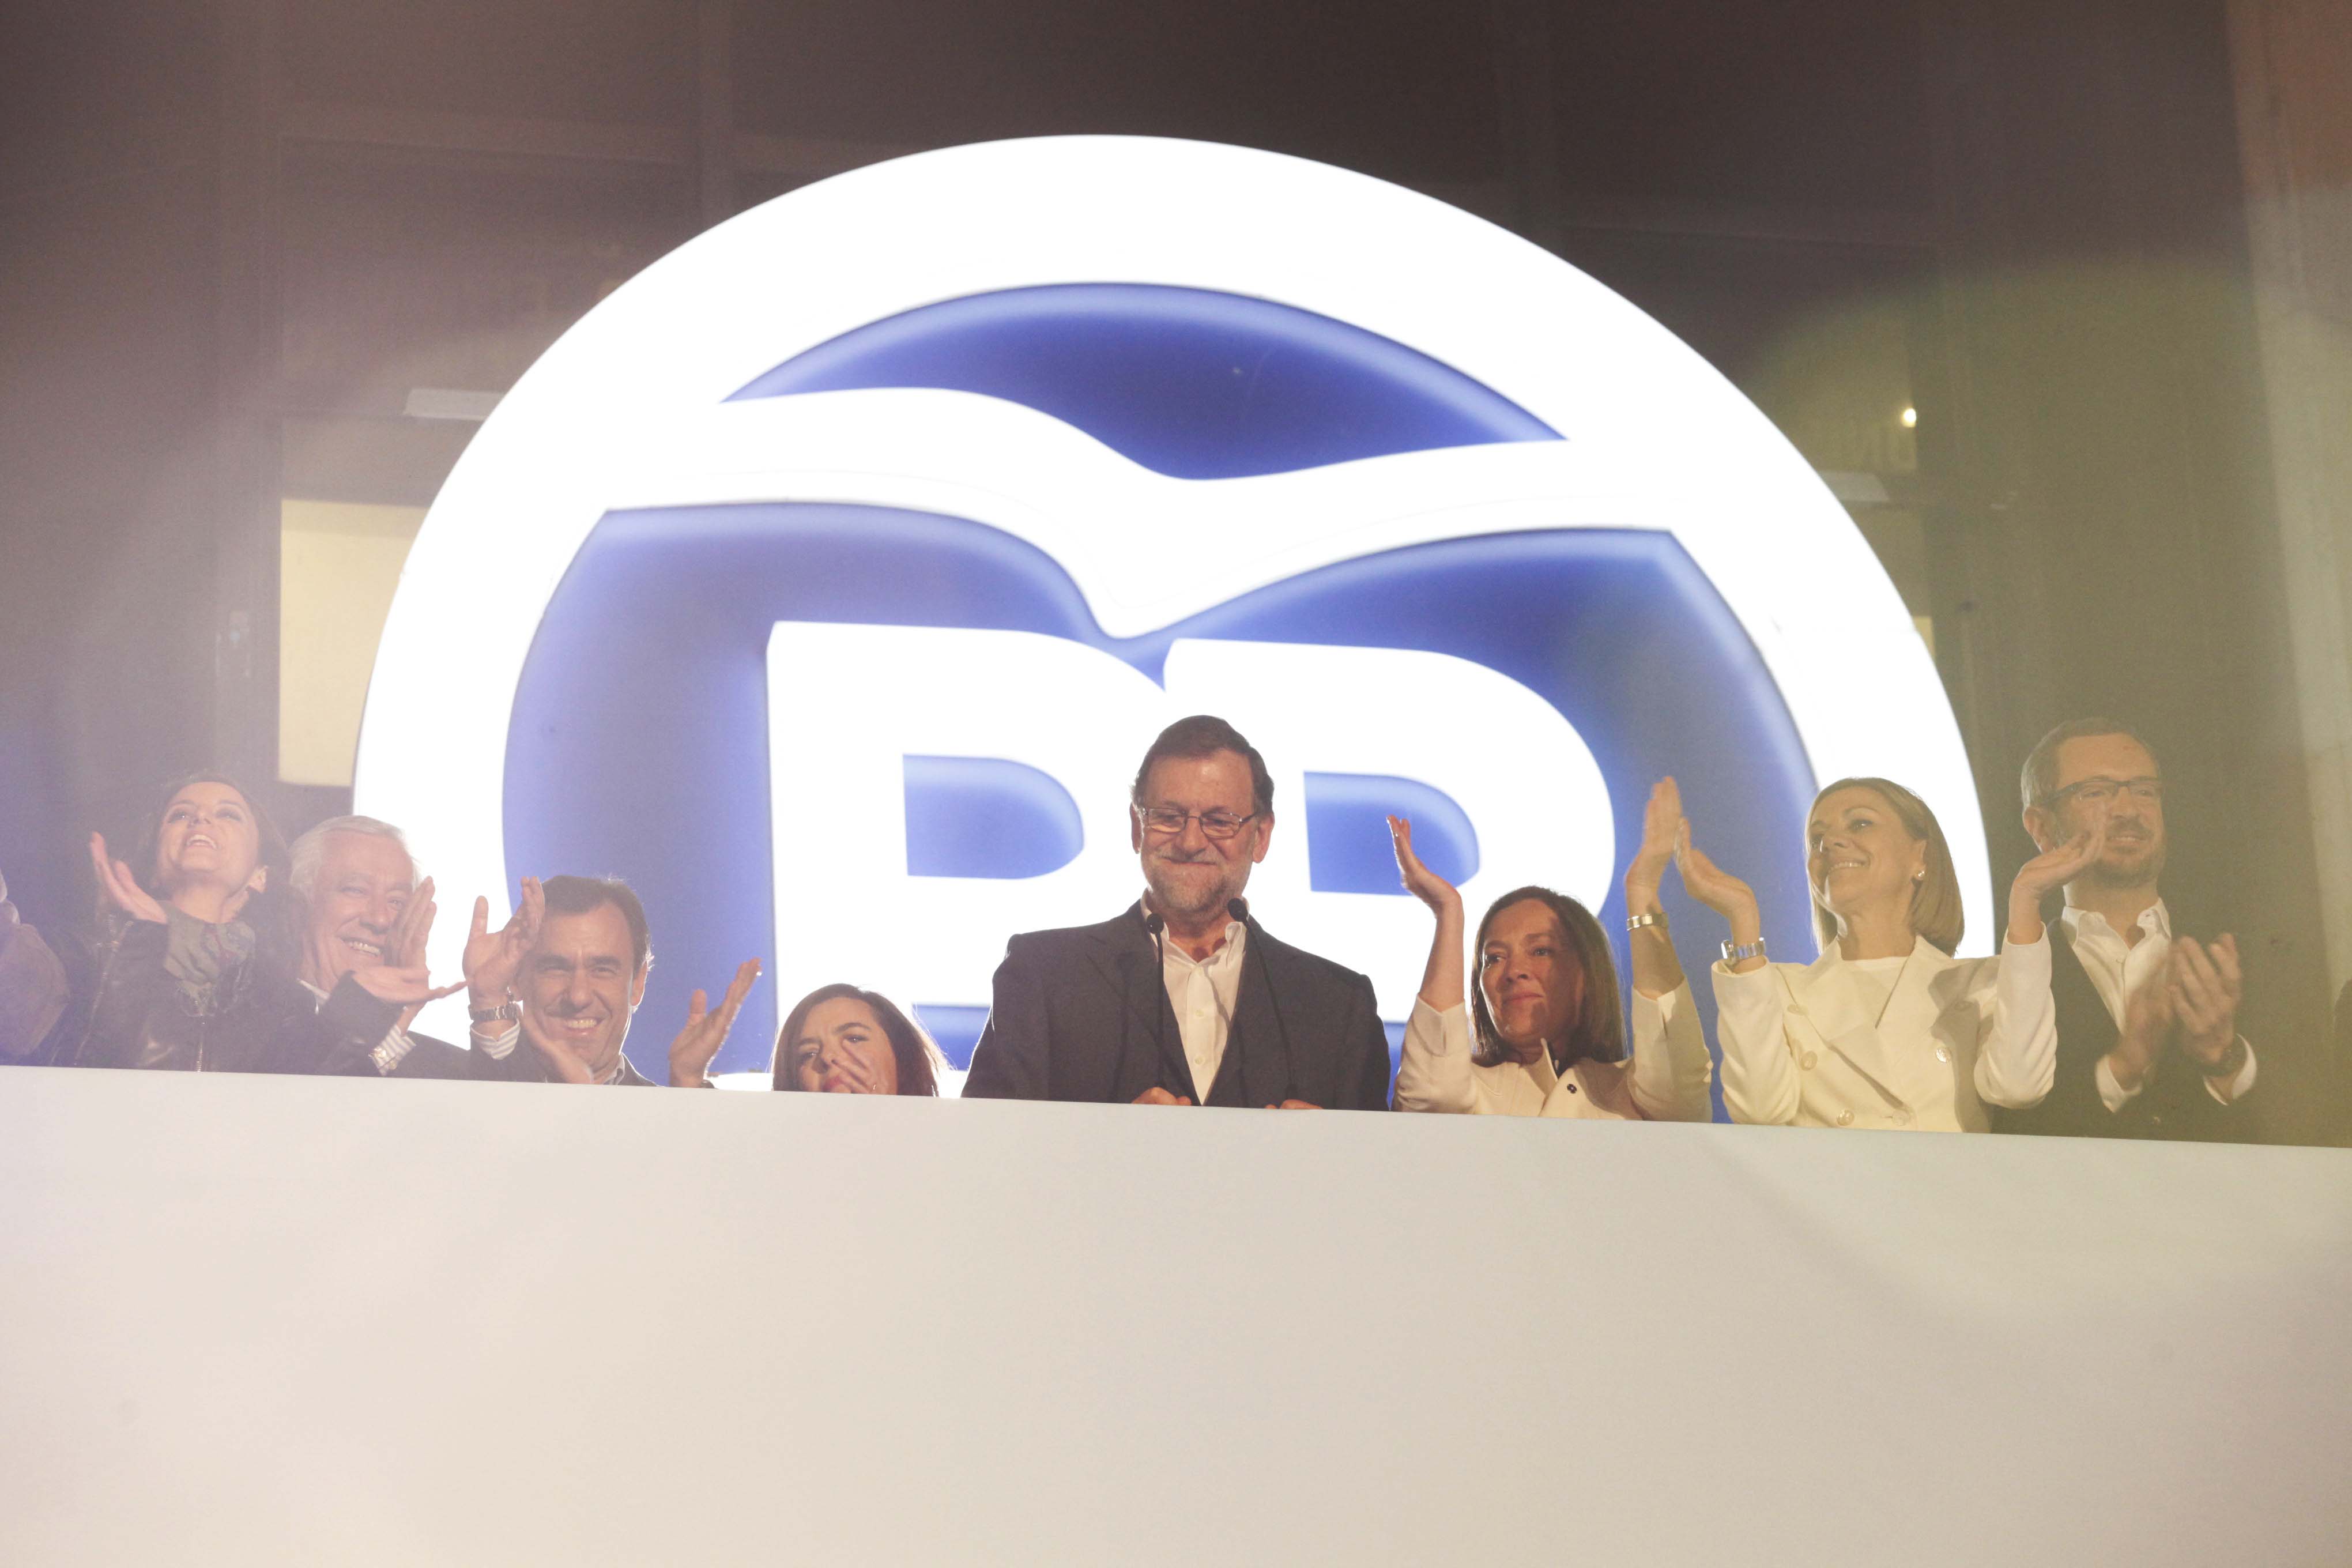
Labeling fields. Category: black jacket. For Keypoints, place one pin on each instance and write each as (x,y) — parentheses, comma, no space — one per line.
(2174,1103)
(1081,1014)
(182,996)
(342,1034)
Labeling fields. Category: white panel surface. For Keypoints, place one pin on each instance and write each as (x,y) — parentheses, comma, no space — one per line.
(283,1321)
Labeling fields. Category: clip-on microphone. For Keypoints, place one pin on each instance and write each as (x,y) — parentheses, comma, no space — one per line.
(1239,909)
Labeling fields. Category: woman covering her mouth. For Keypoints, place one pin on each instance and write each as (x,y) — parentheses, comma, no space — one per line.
(1886,1028)
(838,1039)
(190,964)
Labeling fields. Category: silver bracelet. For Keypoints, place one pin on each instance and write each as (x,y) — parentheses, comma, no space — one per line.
(1635,923)
(1740,953)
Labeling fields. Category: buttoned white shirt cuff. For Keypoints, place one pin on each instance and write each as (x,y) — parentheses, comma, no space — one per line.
(496,1046)
(2239,1084)
(388,1052)
(2114,1096)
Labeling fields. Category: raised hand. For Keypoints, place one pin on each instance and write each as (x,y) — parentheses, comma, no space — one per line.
(402,978)
(1657,972)
(494,959)
(1441,978)
(2053,868)
(1423,883)
(2205,986)
(1723,893)
(122,889)
(691,1054)
(1711,885)
(1661,830)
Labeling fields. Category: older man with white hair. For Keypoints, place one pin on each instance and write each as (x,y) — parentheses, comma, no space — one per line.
(365,919)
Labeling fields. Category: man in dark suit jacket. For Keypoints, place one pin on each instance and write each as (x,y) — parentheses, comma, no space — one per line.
(365,916)
(2148,1039)
(551,994)
(1185,999)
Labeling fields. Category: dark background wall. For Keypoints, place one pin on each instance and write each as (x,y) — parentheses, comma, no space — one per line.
(234,234)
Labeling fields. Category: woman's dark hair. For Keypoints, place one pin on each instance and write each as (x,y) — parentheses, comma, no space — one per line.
(1598,1030)
(918,1059)
(271,913)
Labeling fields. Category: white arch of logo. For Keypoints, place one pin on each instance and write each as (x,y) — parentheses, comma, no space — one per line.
(628,409)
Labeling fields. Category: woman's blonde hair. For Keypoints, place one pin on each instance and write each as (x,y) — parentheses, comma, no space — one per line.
(1936,912)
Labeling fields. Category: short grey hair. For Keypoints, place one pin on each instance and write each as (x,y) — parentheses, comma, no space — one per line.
(311,848)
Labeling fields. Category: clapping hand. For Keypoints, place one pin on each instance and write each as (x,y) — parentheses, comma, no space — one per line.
(696,1045)
(1441,897)
(2149,1020)
(2205,986)
(121,887)
(402,977)
(1661,830)
(1723,893)
(2053,867)
(1711,885)
(494,959)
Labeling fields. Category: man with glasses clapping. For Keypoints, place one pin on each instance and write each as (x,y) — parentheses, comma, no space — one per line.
(1185,999)
(2148,1039)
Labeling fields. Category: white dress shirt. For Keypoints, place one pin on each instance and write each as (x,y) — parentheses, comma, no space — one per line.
(2119,968)
(1665,1079)
(1202,992)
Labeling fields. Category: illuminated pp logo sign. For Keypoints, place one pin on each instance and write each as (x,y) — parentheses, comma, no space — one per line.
(828,579)
(871,722)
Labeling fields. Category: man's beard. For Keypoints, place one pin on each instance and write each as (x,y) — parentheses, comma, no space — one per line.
(1172,903)
(2101,874)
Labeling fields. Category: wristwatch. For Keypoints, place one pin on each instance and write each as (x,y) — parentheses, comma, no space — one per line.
(1635,923)
(1741,951)
(509,1009)
(2232,1062)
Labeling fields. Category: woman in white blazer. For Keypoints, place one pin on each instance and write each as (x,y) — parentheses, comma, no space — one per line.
(1550,1032)
(1886,1028)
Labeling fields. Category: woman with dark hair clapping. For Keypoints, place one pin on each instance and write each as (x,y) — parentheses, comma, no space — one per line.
(1551,1029)
(838,1039)
(192,964)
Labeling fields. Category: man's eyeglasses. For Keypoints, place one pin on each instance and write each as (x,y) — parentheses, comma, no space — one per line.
(1167,821)
(2099,792)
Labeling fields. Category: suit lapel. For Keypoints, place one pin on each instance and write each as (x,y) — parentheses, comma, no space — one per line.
(1828,1000)
(1915,1009)
(1129,965)
(1252,1072)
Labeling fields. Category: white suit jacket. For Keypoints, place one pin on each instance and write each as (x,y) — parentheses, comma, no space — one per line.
(1802,1046)
(1665,1079)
